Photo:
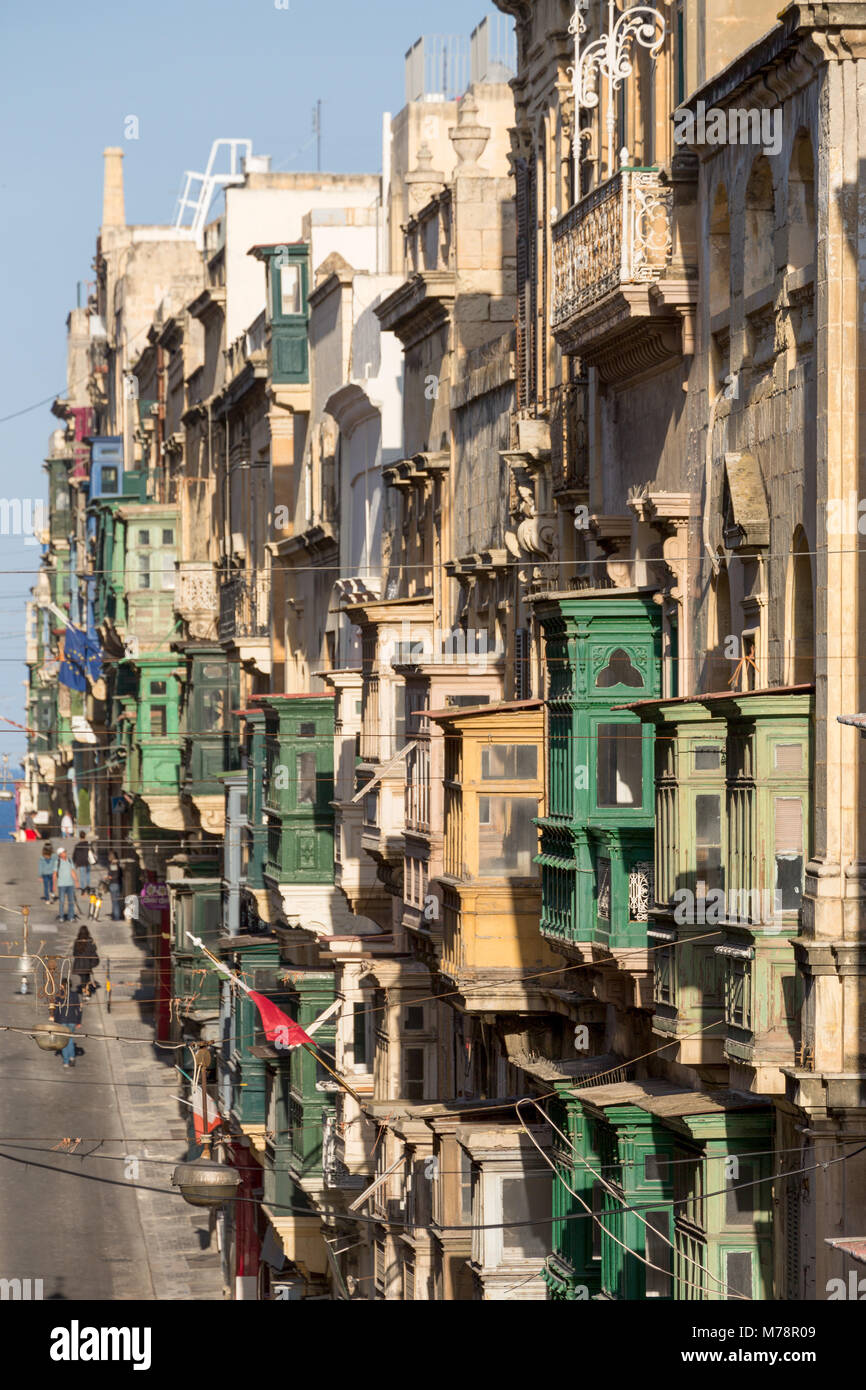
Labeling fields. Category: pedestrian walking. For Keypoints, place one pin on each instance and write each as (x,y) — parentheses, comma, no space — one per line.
(67,826)
(65,884)
(85,959)
(115,886)
(82,857)
(47,870)
(68,1015)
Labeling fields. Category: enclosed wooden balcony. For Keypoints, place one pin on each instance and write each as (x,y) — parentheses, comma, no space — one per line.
(491,892)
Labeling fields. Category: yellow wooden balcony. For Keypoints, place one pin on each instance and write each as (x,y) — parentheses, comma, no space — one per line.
(490,885)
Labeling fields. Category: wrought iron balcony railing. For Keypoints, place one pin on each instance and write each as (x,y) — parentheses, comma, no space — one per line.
(244,607)
(618,235)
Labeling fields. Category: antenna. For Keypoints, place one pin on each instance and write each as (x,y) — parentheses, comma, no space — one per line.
(317,131)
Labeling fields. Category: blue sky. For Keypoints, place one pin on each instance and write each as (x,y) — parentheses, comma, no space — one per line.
(190,71)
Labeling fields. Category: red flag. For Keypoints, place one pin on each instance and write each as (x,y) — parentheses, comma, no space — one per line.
(279,1028)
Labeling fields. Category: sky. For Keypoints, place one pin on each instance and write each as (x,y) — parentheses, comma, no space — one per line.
(190,71)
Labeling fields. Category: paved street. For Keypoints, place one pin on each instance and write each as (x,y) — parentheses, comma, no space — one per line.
(82,1221)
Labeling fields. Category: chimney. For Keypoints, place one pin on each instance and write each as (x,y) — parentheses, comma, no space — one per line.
(113,214)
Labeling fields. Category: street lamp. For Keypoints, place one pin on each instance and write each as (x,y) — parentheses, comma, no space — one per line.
(203,1182)
(609,57)
(25,964)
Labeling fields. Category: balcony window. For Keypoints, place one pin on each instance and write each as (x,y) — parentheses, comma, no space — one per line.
(619,767)
(371,808)
(290,290)
(413,1073)
(789,852)
(738,990)
(109,480)
(212,710)
(619,671)
(659,1253)
(707,758)
(740,1197)
(708,843)
(305,768)
(413,1019)
(307,730)
(738,1273)
(663,975)
(514,761)
(144,538)
(157,687)
(507,837)
(158,720)
(360,1035)
(526,1199)
(167,536)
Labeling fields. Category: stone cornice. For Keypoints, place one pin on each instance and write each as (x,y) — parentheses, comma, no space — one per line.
(419,306)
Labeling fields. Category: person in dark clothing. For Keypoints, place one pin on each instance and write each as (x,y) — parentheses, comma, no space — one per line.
(115,887)
(81,860)
(85,959)
(68,1015)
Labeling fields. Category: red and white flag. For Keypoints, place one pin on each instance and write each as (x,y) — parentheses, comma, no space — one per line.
(281,1030)
(213,1114)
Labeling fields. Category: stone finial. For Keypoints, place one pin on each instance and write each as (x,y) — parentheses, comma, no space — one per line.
(423,182)
(467,136)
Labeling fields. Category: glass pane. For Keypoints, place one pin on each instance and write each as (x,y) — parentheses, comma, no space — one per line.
(157,719)
(157,687)
(526,1199)
(290,289)
(658,1252)
(707,759)
(359,1033)
(740,1198)
(109,480)
(167,537)
(212,708)
(144,538)
(619,772)
(413,1071)
(307,731)
(518,761)
(656,1168)
(305,764)
(789,852)
(708,849)
(212,671)
(414,1018)
(738,1272)
(507,838)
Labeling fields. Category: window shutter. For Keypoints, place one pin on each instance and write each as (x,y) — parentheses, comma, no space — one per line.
(792,1240)
(522,682)
(522,201)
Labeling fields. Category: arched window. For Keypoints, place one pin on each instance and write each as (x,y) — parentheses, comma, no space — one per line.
(619,671)
(801,204)
(759,266)
(800,614)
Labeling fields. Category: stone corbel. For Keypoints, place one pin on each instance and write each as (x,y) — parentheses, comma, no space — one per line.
(612,535)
